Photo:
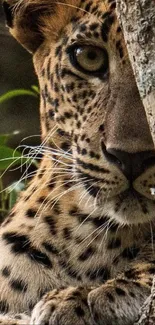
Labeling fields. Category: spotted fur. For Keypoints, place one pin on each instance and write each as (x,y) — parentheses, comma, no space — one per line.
(78,246)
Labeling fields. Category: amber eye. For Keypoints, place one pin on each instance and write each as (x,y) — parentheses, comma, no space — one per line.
(90,59)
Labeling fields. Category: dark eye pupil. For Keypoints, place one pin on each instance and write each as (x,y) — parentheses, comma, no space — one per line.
(92,55)
(89,59)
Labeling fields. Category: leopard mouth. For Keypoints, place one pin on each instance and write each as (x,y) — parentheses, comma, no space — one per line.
(131,194)
(131,208)
(101,189)
(133,199)
(125,206)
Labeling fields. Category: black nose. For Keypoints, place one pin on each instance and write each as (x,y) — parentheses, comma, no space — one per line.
(131,164)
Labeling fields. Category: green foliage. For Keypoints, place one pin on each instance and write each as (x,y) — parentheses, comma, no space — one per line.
(19,92)
(10,158)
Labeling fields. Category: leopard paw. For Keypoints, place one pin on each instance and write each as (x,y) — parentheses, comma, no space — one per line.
(17,319)
(58,307)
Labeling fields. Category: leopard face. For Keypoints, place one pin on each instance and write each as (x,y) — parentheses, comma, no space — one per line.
(88,91)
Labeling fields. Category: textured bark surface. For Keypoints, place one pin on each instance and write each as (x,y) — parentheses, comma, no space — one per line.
(137,19)
(147,316)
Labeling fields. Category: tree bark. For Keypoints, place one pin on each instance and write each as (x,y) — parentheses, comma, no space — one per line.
(147,312)
(137,19)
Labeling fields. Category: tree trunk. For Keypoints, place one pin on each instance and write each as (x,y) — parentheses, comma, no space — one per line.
(147,313)
(137,19)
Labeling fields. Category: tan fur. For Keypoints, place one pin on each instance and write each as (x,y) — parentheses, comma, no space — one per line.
(51,19)
(83,230)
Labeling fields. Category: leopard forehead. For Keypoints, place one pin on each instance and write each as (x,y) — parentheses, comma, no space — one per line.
(93,23)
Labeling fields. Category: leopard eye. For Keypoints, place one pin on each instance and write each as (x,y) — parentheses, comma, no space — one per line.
(90,59)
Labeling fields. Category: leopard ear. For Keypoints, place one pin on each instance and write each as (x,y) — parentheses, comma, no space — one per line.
(23,21)
(31,21)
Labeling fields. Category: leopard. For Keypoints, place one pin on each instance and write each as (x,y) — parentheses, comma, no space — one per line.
(78,246)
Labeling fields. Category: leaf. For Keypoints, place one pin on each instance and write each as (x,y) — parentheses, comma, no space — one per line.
(9,157)
(15,93)
(4,138)
(35,89)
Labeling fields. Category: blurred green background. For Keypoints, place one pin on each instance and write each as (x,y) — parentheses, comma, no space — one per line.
(19,114)
(16,71)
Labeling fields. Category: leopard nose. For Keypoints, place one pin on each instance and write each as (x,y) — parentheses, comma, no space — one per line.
(132,165)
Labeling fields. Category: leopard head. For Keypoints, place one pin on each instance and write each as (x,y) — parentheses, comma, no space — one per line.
(89,92)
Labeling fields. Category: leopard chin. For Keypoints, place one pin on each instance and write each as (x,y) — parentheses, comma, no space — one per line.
(127,203)
(129,208)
